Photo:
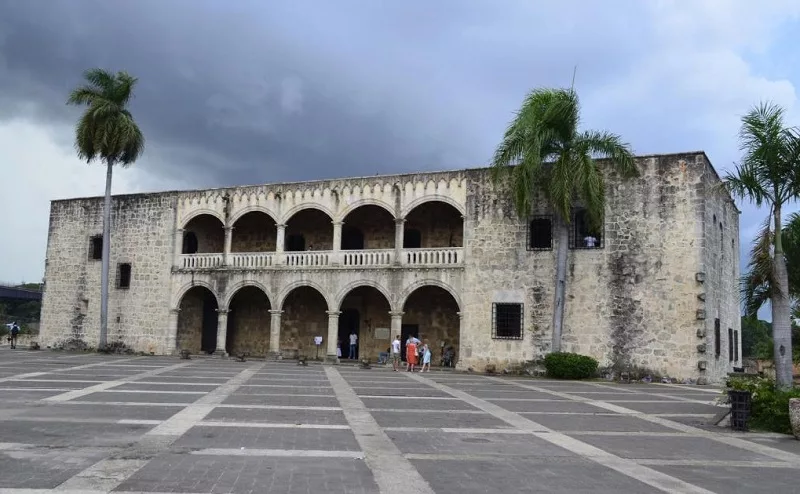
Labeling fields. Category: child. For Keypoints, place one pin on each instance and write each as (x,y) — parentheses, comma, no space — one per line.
(426,357)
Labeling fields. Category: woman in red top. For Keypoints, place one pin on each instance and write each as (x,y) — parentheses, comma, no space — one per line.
(411,354)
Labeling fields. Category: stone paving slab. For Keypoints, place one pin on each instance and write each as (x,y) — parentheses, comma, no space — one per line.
(673,407)
(613,423)
(735,479)
(326,417)
(294,390)
(252,475)
(508,475)
(671,448)
(782,442)
(297,401)
(415,393)
(63,434)
(268,438)
(43,467)
(438,419)
(421,404)
(547,406)
(105,396)
(24,383)
(73,410)
(477,444)
(146,386)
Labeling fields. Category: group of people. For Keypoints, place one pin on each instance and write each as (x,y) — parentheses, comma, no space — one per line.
(415,350)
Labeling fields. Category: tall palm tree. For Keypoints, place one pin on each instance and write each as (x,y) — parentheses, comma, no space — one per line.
(107,132)
(769,174)
(544,152)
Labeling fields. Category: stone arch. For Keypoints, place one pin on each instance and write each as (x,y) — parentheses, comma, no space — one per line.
(433,198)
(366,202)
(308,205)
(199,212)
(178,295)
(198,318)
(297,284)
(249,320)
(251,209)
(238,286)
(356,284)
(430,282)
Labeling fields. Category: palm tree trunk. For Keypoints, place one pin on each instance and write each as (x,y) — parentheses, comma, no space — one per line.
(562,234)
(781,313)
(106,260)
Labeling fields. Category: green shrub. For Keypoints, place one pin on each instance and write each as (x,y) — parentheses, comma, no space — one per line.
(563,365)
(769,407)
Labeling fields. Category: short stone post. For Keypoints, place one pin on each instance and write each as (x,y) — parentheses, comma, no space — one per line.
(222,331)
(275,333)
(333,335)
(794,416)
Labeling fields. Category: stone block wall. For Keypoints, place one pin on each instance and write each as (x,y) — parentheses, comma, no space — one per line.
(438,226)
(209,232)
(304,317)
(141,234)
(315,226)
(435,312)
(254,232)
(375,223)
(248,323)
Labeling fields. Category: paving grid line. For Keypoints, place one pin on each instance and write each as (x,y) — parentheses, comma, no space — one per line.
(107,385)
(643,474)
(285,453)
(108,473)
(60,370)
(729,440)
(393,473)
(269,425)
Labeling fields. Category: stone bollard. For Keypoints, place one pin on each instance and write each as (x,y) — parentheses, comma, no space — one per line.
(794,416)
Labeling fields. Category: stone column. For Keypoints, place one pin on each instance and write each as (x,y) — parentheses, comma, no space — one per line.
(275,333)
(333,335)
(337,242)
(222,331)
(280,244)
(399,228)
(172,332)
(178,248)
(397,324)
(226,251)
(460,337)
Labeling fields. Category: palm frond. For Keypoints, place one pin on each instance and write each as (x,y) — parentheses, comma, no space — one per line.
(745,183)
(758,285)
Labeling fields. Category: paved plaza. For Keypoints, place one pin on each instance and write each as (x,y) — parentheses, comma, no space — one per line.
(88,423)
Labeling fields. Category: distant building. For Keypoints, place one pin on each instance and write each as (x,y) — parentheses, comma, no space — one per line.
(264,269)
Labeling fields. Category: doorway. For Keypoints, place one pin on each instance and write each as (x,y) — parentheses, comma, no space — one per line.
(406,331)
(349,323)
(208,338)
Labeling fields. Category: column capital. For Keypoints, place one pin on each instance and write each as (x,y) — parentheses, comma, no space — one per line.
(174,311)
(179,230)
(399,221)
(222,311)
(332,313)
(281,225)
(228,228)
(275,312)
(395,313)
(460,314)
(337,222)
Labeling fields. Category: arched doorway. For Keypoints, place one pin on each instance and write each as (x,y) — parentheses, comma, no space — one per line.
(248,323)
(197,321)
(433,224)
(309,229)
(365,313)
(203,234)
(304,317)
(255,231)
(431,314)
(368,227)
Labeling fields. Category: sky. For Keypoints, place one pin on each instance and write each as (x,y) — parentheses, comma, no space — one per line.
(248,92)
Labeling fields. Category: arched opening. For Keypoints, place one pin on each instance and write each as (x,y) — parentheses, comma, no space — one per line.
(431,314)
(436,224)
(304,317)
(248,323)
(368,227)
(254,232)
(365,313)
(309,229)
(203,234)
(197,321)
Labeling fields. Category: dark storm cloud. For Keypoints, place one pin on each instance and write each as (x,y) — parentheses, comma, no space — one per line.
(244,92)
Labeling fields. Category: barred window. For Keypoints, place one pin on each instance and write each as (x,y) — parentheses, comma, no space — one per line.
(507,321)
(124,275)
(96,247)
(717,338)
(582,235)
(735,346)
(540,233)
(731,348)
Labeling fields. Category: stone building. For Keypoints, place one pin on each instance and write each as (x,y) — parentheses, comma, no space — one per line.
(264,269)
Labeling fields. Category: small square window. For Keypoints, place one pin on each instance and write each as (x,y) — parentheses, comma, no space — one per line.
(582,234)
(96,248)
(124,275)
(507,321)
(540,233)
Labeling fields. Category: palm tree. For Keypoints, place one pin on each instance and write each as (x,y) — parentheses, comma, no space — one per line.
(769,174)
(544,152)
(106,131)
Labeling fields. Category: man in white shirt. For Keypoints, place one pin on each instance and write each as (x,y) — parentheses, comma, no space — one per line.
(396,352)
(353,342)
(590,241)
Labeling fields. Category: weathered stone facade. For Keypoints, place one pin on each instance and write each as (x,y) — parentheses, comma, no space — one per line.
(265,269)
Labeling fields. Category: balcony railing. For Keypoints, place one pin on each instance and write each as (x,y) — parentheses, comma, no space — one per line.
(378,258)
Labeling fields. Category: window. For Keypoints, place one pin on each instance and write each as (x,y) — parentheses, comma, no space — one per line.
(412,239)
(295,243)
(735,346)
(717,337)
(730,345)
(123,275)
(540,233)
(507,321)
(189,243)
(96,247)
(582,235)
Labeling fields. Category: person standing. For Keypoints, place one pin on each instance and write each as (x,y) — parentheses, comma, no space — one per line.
(396,352)
(353,343)
(411,353)
(426,357)
(13,331)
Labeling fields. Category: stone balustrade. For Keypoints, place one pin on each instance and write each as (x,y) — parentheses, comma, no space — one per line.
(375,258)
